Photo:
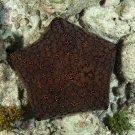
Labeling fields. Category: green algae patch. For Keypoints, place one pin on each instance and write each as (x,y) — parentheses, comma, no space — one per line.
(119,122)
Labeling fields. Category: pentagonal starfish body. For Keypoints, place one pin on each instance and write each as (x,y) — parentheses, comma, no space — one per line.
(66,71)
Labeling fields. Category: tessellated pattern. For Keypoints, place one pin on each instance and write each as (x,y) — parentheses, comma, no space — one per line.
(66,71)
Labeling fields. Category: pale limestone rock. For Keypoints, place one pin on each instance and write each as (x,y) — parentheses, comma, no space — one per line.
(42,124)
(120,91)
(24,22)
(14,13)
(28,32)
(26,19)
(105,22)
(67,7)
(111,23)
(114,107)
(80,124)
(111,3)
(128,58)
(127,10)
(7,133)
(41,132)
(8,86)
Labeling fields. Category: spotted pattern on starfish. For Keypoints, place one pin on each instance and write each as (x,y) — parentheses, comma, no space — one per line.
(66,71)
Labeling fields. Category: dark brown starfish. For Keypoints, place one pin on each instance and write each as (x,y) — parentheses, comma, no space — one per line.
(66,71)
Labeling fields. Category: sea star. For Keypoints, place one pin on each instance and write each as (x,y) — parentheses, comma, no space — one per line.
(66,71)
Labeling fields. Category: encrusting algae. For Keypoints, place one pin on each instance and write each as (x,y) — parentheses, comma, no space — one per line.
(9,115)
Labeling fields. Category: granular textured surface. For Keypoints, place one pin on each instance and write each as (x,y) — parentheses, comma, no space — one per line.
(66,71)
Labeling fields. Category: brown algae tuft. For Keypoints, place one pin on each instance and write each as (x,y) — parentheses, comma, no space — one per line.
(8,116)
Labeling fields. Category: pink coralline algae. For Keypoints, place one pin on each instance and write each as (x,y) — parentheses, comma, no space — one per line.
(66,70)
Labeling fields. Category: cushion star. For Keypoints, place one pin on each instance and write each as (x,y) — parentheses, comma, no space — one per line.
(66,71)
